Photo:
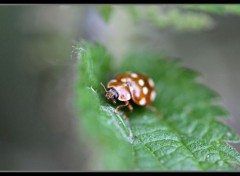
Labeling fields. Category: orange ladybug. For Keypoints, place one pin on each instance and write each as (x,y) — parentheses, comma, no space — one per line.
(131,86)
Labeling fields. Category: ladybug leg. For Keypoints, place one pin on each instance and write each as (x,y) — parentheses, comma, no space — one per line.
(130,108)
(126,103)
(154,109)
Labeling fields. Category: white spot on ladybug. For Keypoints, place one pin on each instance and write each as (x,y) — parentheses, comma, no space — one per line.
(141,82)
(153,95)
(124,80)
(151,83)
(113,80)
(142,101)
(145,90)
(134,75)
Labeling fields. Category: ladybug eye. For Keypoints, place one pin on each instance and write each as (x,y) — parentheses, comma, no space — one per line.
(115,94)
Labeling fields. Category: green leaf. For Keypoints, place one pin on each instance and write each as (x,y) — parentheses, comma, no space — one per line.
(100,125)
(178,20)
(218,9)
(106,11)
(178,17)
(161,16)
(188,136)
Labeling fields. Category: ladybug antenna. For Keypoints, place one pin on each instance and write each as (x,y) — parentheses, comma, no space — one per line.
(104,87)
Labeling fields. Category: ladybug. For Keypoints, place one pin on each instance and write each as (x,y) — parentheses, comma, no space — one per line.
(131,86)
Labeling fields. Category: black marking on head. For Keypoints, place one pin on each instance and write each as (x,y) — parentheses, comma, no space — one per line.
(115,96)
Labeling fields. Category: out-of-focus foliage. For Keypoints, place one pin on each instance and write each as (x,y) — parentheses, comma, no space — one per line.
(188,135)
(106,12)
(218,9)
(179,17)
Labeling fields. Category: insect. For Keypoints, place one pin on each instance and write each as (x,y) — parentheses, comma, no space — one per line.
(131,86)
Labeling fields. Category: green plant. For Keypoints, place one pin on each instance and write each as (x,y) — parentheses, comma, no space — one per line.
(188,136)
(178,17)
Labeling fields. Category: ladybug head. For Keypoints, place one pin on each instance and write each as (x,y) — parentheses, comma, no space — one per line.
(111,93)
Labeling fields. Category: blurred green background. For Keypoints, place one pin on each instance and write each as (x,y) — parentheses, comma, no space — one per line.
(38,125)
